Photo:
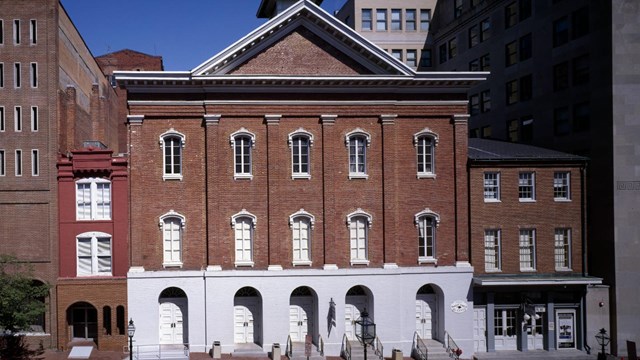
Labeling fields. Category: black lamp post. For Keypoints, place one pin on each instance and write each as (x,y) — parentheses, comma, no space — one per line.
(131,329)
(603,340)
(366,332)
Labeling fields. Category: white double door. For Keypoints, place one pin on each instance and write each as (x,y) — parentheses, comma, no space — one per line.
(535,336)
(301,317)
(172,321)
(480,329)
(246,318)
(426,316)
(354,306)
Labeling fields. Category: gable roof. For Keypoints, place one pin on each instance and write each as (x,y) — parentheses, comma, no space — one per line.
(495,150)
(307,14)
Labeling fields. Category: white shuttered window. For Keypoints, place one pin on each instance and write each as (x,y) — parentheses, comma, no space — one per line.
(94,254)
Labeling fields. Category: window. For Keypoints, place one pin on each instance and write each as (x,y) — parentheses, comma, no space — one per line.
(457,8)
(425,59)
(474,36)
(580,22)
(526,88)
(442,53)
(485,63)
(16,32)
(527,250)
(300,143)
(359,223)
(18,163)
(513,130)
(34,75)
(562,249)
(581,117)
(2,122)
(120,319)
(561,181)
(172,225)
(425,143)
(3,162)
(505,322)
(33,31)
(35,163)
(425,19)
(561,31)
(485,132)
(410,20)
(367,24)
(526,132)
(453,48)
(1,31)
(171,143)
(561,125)
(301,224)
(491,186)
(485,29)
(526,186)
(474,104)
(381,19)
(17,119)
(525,47)
(396,19)
(511,53)
(581,70)
(17,81)
(492,250)
(1,75)
(512,92)
(34,118)
(358,141)
(524,9)
(412,58)
(474,65)
(94,254)
(106,320)
(510,15)
(242,142)
(561,76)
(427,222)
(397,53)
(93,199)
(244,224)
(485,101)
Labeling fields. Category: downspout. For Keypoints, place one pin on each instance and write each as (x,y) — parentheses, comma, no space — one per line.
(585,272)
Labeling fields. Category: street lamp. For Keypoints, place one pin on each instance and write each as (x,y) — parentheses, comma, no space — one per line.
(367,333)
(603,340)
(131,329)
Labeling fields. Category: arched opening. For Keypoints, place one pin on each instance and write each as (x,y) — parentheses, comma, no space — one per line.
(247,316)
(39,324)
(82,319)
(303,313)
(357,299)
(173,307)
(429,314)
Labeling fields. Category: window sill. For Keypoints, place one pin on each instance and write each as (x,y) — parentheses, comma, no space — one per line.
(302,263)
(301,176)
(358,176)
(244,264)
(564,269)
(243,177)
(492,271)
(528,270)
(177,265)
(359,262)
(561,200)
(527,200)
(94,275)
(492,200)
(428,261)
(166,177)
(426,176)
(95,220)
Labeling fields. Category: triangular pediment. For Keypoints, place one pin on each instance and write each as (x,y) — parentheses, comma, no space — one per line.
(304,40)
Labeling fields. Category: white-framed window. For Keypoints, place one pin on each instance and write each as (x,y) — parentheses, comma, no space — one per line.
(244,224)
(526,186)
(367,21)
(33,31)
(17,70)
(561,186)
(396,19)
(35,162)
(93,199)
(412,58)
(3,162)
(491,186)
(34,119)
(410,20)
(17,118)
(527,250)
(357,142)
(16,31)
(1,32)
(425,142)
(381,19)
(427,221)
(300,142)
(33,73)
(18,163)
(301,224)
(2,121)
(242,142)
(172,143)
(172,226)
(359,223)
(1,75)
(492,255)
(93,254)
(562,249)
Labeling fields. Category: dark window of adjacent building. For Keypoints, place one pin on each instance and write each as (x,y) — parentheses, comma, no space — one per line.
(561,124)
(560,31)
(442,53)
(526,132)
(453,48)
(474,104)
(474,65)
(581,117)
(513,130)
(485,62)
(396,19)
(561,76)
(525,47)
(425,58)
(580,70)
(1,75)
(511,53)
(457,8)
(410,20)
(474,36)
(510,15)
(485,101)
(425,19)
(485,29)
(580,22)
(475,3)
(17,80)
(512,92)
(524,10)
(474,133)
(485,132)
(367,24)
(526,88)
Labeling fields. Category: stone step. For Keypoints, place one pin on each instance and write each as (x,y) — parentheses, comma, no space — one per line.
(298,352)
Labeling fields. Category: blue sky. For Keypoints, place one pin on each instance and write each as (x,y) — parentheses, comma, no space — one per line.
(185,33)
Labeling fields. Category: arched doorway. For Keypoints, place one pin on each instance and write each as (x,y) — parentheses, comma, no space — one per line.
(173,309)
(302,314)
(247,316)
(427,314)
(357,299)
(82,319)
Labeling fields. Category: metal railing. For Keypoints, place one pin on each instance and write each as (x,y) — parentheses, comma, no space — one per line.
(453,349)
(346,347)
(320,345)
(289,350)
(420,348)
(159,351)
(379,349)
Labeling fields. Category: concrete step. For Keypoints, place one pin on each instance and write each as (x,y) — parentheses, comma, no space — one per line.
(248,350)
(298,352)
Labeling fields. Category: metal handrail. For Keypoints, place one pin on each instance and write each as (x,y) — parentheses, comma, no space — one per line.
(420,347)
(320,345)
(346,347)
(453,349)
(379,349)
(289,350)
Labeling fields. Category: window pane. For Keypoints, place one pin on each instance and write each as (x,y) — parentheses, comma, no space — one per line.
(381,19)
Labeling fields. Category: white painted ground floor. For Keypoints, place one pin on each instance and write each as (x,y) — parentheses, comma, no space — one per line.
(239,307)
